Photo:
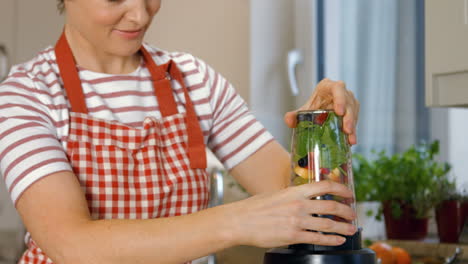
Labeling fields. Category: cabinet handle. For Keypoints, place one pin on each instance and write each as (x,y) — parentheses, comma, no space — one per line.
(4,65)
(294,58)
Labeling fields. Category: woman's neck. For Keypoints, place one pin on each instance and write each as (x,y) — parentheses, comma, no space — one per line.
(95,59)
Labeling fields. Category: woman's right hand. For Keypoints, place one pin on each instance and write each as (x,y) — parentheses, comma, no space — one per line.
(283,218)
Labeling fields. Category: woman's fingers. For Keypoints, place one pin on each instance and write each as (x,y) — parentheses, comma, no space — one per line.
(325,207)
(318,238)
(327,225)
(290,119)
(283,218)
(350,117)
(331,95)
(338,90)
(324,187)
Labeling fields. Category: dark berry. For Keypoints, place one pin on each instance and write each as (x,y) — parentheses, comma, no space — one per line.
(303,162)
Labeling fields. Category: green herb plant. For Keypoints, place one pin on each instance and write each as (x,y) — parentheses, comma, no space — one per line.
(412,177)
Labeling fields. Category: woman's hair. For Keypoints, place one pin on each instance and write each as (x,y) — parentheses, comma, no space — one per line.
(60,6)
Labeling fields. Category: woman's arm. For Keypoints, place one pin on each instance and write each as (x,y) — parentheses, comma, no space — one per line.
(266,170)
(55,212)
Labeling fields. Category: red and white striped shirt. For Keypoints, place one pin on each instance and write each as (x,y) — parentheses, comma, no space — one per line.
(34,113)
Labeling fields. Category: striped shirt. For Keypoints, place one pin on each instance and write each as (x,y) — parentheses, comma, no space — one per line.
(34,113)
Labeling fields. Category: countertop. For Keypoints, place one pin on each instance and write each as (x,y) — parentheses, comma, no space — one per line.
(431,249)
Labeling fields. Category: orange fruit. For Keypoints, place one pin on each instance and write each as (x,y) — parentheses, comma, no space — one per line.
(303,172)
(401,256)
(384,252)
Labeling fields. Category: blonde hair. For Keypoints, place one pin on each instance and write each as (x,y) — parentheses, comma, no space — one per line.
(60,6)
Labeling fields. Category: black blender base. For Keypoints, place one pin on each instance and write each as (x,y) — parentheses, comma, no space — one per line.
(349,252)
(293,256)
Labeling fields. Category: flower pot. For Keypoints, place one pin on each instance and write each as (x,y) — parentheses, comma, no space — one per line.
(407,227)
(463,214)
(447,218)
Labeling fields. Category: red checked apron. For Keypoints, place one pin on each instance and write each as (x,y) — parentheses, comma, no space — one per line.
(131,173)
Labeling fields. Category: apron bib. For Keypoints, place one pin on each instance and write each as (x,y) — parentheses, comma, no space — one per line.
(132,173)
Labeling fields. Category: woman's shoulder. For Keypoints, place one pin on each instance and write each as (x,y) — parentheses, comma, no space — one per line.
(39,75)
(184,60)
(43,63)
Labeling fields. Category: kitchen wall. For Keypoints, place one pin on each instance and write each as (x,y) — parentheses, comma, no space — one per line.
(217,31)
(26,27)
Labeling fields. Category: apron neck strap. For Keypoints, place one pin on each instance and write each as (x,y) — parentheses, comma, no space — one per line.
(69,73)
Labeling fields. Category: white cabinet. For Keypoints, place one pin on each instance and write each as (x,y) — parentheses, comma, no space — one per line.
(446,52)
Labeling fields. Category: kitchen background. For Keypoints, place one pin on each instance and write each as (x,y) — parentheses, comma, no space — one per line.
(391,53)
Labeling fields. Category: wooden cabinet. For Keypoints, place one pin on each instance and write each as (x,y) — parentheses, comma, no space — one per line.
(446,39)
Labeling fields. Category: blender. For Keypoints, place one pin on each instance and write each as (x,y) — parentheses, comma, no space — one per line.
(320,151)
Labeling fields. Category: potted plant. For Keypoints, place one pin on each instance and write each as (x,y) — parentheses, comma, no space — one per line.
(367,203)
(405,185)
(447,211)
(463,209)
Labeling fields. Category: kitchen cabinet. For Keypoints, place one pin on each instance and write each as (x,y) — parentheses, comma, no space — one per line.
(446,42)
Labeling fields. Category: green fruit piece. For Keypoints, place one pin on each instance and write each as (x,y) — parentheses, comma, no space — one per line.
(338,198)
(299,181)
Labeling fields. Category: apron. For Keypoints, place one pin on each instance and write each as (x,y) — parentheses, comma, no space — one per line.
(132,173)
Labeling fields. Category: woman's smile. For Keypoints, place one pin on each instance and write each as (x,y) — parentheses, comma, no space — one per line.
(130,34)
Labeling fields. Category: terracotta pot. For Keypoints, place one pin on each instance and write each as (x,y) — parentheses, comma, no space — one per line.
(463,214)
(448,218)
(407,227)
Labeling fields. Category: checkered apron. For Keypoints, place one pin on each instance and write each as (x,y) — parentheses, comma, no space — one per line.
(132,173)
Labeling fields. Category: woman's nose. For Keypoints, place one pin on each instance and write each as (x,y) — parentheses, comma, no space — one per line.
(138,12)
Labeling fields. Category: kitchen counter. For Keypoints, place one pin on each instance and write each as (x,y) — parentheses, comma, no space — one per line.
(431,249)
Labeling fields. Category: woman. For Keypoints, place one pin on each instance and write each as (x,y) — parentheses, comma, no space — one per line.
(102,149)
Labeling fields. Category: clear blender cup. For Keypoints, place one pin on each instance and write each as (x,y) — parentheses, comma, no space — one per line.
(320,151)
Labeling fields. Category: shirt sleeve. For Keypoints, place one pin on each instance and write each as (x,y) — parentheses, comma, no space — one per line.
(235,133)
(29,147)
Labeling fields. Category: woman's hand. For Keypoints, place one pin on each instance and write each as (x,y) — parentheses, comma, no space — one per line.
(283,218)
(332,95)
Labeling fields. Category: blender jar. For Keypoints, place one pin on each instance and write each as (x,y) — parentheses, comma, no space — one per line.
(320,151)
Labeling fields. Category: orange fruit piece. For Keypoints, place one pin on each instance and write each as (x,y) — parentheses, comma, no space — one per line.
(401,256)
(384,252)
(303,172)
(335,175)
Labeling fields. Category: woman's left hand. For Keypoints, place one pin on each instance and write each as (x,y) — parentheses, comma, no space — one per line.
(332,95)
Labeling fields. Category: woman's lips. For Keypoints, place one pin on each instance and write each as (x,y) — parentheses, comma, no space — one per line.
(129,34)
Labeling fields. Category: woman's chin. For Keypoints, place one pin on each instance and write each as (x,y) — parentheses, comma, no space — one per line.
(127,49)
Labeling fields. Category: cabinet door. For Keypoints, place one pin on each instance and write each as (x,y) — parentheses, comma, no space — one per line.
(446,53)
